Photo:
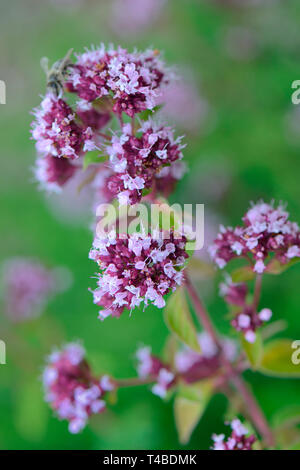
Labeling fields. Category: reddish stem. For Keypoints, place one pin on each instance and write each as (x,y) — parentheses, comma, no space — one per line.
(257,291)
(133,382)
(252,406)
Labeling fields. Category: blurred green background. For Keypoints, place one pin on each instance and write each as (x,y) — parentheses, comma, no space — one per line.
(242,61)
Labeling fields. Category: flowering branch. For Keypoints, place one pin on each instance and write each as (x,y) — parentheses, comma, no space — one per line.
(233,375)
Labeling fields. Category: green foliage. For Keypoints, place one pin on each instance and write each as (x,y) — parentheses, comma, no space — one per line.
(254,350)
(31,412)
(243,274)
(275,267)
(93,157)
(178,319)
(277,359)
(189,406)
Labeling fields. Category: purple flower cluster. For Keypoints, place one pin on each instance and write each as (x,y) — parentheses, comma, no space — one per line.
(27,286)
(71,390)
(107,82)
(150,366)
(55,129)
(246,318)
(52,172)
(132,80)
(137,268)
(136,160)
(193,366)
(189,366)
(266,231)
(238,440)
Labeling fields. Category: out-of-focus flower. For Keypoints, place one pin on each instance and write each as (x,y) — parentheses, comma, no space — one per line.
(150,366)
(136,160)
(189,366)
(52,173)
(182,105)
(129,17)
(134,79)
(233,292)
(266,231)
(247,319)
(28,286)
(71,390)
(194,366)
(137,268)
(238,440)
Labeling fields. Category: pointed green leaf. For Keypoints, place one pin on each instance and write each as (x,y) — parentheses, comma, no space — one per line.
(178,319)
(243,274)
(277,359)
(287,417)
(189,406)
(253,350)
(200,270)
(187,414)
(275,267)
(91,158)
(148,113)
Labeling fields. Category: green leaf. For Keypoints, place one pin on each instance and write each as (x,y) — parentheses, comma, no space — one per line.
(144,115)
(287,417)
(243,274)
(277,359)
(30,411)
(295,446)
(253,350)
(200,270)
(91,158)
(275,267)
(189,406)
(178,319)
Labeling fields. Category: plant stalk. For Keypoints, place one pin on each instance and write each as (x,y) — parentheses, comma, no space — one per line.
(234,376)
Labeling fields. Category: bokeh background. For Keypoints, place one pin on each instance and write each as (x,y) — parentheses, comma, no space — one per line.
(238,60)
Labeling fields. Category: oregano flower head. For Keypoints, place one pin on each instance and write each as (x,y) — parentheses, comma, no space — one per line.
(137,159)
(137,268)
(71,390)
(133,80)
(266,231)
(238,440)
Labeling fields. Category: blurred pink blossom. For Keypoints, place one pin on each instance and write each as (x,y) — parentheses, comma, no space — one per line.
(129,17)
(28,285)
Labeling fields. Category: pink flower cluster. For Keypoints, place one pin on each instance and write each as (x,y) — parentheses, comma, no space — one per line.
(246,319)
(27,286)
(193,366)
(129,17)
(189,365)
(238,440)
(52,172)
(136,161)
(266,231)
(150,366)
(137,268)
(55,129)
(71,390)
(132,80)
